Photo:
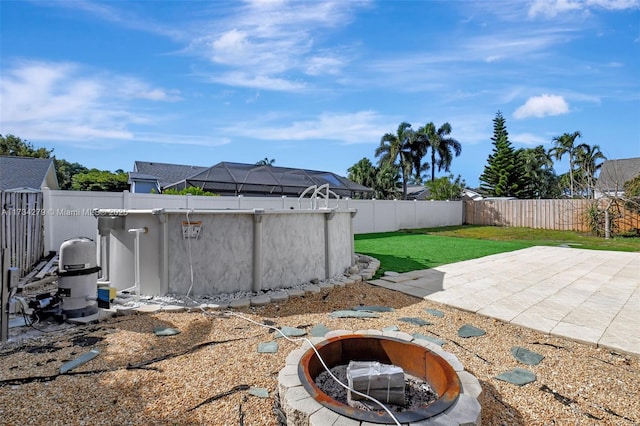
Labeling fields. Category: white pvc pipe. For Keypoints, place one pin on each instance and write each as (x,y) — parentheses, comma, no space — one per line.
(136,254)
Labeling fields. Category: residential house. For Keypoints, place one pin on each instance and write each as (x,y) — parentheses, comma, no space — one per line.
(26,174)
(614,174)
(234,179)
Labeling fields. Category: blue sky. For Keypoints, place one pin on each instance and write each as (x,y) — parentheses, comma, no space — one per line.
(314,84)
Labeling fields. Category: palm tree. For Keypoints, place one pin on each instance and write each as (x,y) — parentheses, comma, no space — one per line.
(442,146)
(541,179)
(396,149)
(386,183)
(363,172)
(587,165)
(565,144)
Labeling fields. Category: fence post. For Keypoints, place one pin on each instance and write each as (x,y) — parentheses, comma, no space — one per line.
(48,219)
(4,299)
(395,214)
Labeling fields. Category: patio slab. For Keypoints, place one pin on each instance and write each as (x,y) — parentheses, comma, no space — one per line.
(590,296)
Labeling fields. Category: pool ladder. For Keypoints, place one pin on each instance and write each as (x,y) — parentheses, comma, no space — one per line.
(316,194)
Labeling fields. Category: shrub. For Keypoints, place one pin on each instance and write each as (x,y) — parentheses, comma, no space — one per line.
(191,190)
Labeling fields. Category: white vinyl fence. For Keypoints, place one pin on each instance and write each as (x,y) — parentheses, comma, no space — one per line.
(68,213)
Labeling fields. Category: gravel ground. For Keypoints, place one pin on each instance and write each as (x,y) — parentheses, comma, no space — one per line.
(142,379)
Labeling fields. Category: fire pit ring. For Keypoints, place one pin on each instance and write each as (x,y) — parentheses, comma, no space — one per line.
(304,403)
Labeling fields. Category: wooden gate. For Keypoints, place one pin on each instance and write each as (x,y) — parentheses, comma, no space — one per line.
(22,228)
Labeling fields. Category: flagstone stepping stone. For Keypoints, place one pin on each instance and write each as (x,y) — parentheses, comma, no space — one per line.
(319,330)
(354,314)
(391,328)
(517,376)
(81,360)
(373,308)
(415,321)
(470,331)
(259,392)
(391,274)
(165,331)
(268,347)
(431,339)
(526,356)
(435,312)
(291,332)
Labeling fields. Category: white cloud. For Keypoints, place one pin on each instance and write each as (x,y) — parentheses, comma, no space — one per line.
(319,65)
(274,43)
(242,79)
(358,127)
(64,102)
(528,139)
(542,106)
(552,8)
(614,4)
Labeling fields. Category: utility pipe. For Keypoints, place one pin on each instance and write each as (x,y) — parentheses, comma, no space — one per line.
(136,254)
(257,250)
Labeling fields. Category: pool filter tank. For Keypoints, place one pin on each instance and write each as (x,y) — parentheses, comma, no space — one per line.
(78,277)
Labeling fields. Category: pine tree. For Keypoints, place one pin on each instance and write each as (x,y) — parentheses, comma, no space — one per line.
(503,176)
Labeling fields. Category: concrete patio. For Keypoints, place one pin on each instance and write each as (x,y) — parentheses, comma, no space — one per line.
(591,296)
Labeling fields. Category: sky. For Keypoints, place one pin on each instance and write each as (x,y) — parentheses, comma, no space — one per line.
(315,84)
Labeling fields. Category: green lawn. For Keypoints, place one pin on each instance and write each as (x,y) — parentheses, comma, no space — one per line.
(427,248)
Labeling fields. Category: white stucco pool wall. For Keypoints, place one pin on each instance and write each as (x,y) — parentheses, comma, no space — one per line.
(237,250)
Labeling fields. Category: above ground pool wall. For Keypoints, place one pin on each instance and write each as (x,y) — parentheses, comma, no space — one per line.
(221,256)
(235,250)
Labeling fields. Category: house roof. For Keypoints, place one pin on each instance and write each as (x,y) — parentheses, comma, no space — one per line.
(165,173)
(25,173)
(614,173)
(418,192)
(237,178)
(141,177)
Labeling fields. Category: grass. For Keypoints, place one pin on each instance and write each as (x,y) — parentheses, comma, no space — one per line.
(427,248)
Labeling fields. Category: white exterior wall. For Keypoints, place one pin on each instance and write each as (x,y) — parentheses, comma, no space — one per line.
(68,212)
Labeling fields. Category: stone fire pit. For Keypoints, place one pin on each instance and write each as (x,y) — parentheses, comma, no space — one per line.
(304,403)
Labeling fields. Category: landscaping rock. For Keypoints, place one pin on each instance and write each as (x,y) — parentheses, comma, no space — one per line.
(415,321)
(517,376)
(268,347)
(259,392)
(290,332)
(165,331)
(353,314)
(319,330)
(431,339)
(470,331)
(373,308)
(435,312)
(526,356)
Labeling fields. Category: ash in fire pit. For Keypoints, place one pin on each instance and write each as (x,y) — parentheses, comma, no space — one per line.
(417,393)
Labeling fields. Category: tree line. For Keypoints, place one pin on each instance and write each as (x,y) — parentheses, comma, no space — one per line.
(528,172)
(401,159)
(523,173)
(71,176)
